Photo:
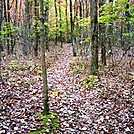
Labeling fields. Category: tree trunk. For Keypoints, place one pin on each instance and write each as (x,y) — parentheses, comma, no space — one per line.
(44,69)
(36,41)
(26,28)
(102,40)
(15,25)
(60,24)
(0,38)
(46,26)
(72,29)
(87,8)
(5,20)
(20,12)
(56,15)
(80,28)
(94,37)
(67,26)
(76,22)
(103,47)
(8,20)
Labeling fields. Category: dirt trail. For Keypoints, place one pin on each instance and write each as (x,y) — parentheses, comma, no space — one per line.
(58,77)
(81,110)
(103,109)
(72,104)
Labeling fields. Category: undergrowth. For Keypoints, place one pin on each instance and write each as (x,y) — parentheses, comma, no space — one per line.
(49,124)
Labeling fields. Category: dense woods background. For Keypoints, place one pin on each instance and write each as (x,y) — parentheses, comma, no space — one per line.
(67,21)
(34,34)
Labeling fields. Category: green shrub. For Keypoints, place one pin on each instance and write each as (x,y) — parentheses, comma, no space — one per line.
(50,123)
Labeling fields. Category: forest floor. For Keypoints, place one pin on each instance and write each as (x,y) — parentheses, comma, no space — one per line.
(96,105)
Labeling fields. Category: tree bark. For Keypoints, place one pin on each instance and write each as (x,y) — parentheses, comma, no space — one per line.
(26,28)
(56,15)
(67,26)
(44,69)
(94,37)
(102,39)
(46,25)
(72,29)
(60,24)
(36,40)
(0,38)
(15,25)
(8,20)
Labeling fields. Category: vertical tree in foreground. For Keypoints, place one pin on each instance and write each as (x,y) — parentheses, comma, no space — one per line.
(46,25)
(8,26)
(102,37)
(0,37)
(26,27)
(44,70)
(56,16)
(67,24)
(94,37)
(72,29)
(60,25)
(36,40)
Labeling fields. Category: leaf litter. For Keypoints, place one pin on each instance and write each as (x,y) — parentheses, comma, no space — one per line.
(104,108)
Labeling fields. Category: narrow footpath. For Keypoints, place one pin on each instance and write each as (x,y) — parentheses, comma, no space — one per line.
(106,108)
(84,111)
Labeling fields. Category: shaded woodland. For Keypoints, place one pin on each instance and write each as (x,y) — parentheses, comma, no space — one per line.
(66,66)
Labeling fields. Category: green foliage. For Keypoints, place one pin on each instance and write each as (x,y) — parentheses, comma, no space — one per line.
(130,35)
(53,30)
(35,29)
(8,29)
(37,7)
(50,122)
(84,21)
(115,12)
(117,20)
(47,1)
(46,24)
(87,40)
(89,81)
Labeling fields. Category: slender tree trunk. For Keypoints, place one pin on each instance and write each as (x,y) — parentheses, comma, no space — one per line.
(11,36)
(36,41)
(8,20)
(87,29)
(121,33)
(60,24)
(127,14)
(20,12)
(15,25)
(80,10)
(56,15)
(0,37)
(46,26)
(80,28)
(94,37)
(87,8)
(103,47)
(5,19)
(102,40)
(83,8)
(67,25)
(72,29)
(5,11)
(76,22)
(26,28)
(44,69)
